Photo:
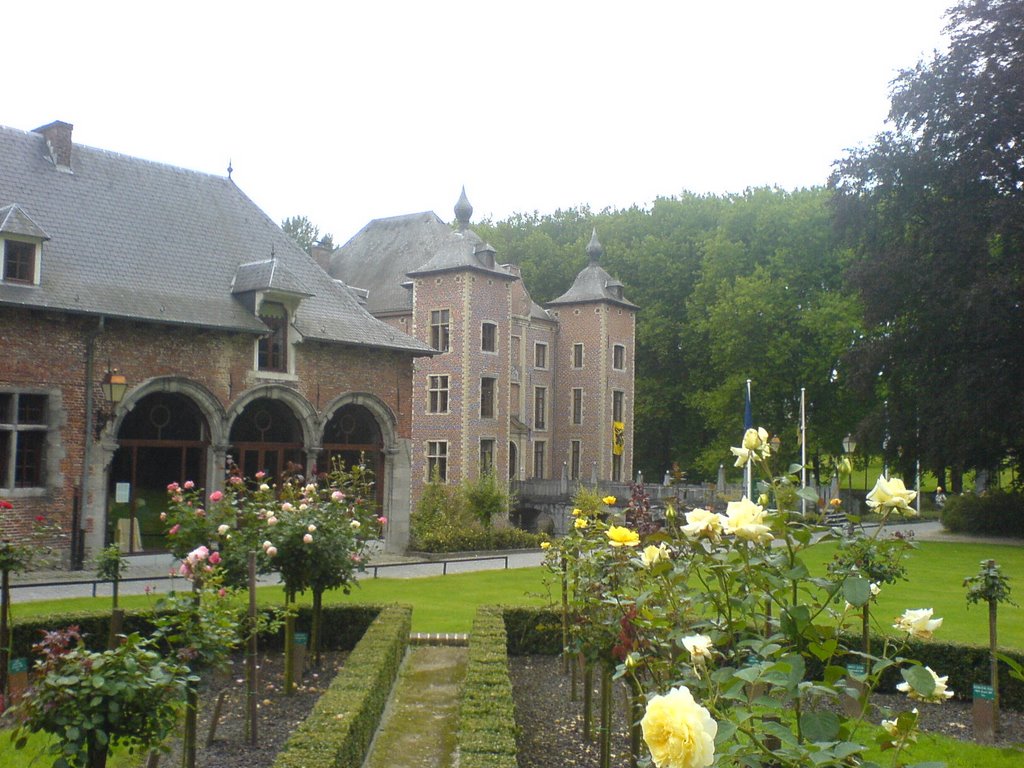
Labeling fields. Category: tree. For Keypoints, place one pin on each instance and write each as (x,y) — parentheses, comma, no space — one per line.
(934,210)
(306,234)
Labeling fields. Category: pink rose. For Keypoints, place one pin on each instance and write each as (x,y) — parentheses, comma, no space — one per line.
(382,520)
(235,480)
(260,475)
(215,558)
(174,529)
(189,485)
(216,496)
(172,487)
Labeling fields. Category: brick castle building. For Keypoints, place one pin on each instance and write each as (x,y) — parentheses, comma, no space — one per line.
(419,352)
(531,392)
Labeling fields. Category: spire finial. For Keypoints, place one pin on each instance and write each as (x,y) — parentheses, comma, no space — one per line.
(463,210)
(594,248)
(230,169)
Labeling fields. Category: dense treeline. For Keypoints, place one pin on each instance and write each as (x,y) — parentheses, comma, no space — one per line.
(730,287)
(895,295)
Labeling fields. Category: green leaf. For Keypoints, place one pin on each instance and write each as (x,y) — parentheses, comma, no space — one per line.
(857,591)
(920,680)
(819,726)
(808,494)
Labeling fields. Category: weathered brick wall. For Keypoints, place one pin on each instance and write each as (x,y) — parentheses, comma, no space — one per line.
(46,353)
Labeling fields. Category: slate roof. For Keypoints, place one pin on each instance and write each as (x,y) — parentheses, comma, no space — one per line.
(382,254)
(136,239)
(593,283)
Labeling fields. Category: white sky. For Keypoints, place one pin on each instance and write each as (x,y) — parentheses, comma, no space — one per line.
(348,110)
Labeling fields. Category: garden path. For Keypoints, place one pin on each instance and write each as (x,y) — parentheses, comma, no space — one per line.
(418,729)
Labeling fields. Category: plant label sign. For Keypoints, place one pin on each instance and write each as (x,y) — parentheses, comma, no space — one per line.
(855,669)
(984,714)
(984,692)
(302,638)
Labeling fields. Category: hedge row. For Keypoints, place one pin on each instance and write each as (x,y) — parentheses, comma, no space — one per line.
(342,627)
(539,631)
(338,732)
(996,513)
(487,718)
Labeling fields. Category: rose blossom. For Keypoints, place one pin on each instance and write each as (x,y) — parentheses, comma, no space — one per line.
(216,496)
(918,623)
(356,525)
(311,528)
(189,485)
(745,520)
(679,732)
(653,554)
(308,538)
(214,558)
(174,529)
(703,523)
(890,495)
(620,536)
(700,647)
(609,500)
(271,551)
(938,693)
(222,528)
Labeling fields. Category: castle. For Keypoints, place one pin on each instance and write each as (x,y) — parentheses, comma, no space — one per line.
(156,325)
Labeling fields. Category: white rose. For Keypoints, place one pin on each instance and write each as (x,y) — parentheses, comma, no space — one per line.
(918,623)
(745,519)
(678,731)
(700,648)
(938,693)
(890,495)
(703,523)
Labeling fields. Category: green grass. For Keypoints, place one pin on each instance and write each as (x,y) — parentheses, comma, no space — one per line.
(33,754)
(955,754)
(936,571)
(440,603)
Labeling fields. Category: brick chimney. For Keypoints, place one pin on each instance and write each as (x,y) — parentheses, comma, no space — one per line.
(58,140)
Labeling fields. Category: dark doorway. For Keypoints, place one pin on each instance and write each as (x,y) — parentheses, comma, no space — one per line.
(162,440)
(351,435)
(266,437)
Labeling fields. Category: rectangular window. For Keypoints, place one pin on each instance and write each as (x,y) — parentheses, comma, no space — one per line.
(437,460)
(23,429)
(538,459)
(489,337)
(577,355)
(438,394)
(619,357)
(616,468)
(574,460)
(486,456)
(618,398)
(540,407)
(517,411)
(439,336)
(272,349)
(515,351)
(487,386)
(540,355)
(577,406)
(19,262)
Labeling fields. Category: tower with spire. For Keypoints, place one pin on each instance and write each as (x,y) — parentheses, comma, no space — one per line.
(529,392)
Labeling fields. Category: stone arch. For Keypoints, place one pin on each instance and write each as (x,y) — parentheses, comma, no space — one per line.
(290,437)
(166,430)
(300,407)
(381,412)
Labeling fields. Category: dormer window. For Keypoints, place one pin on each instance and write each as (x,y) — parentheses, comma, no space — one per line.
(21,245)
(272,352)
(21,262)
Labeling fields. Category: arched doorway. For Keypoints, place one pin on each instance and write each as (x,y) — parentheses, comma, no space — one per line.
(513,461)
(267,437)
(163,439)
(353,434)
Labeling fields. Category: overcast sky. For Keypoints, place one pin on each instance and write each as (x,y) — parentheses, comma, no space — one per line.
(347,111)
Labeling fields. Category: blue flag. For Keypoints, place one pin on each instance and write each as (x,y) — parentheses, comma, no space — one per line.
(748,417)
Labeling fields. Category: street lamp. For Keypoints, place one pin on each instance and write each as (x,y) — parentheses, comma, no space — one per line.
(114,385)
(849,446)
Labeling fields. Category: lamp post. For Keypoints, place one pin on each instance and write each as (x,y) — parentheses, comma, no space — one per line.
(849,446)
(114,385)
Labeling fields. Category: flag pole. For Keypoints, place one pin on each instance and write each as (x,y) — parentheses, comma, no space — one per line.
(803,448)
(748,423)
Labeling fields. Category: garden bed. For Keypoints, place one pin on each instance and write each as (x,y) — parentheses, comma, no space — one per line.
(550,733)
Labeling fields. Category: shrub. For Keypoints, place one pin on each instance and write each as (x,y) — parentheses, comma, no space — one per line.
(996,513)
(486,709)
(486,499)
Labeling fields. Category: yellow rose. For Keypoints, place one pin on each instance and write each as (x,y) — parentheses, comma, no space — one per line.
(918,623)
(702,523)
(938,693)
(653,554)
(580,523)
(742,456)
(545,545)
(745,519)
(890,495)
(678,731)
(609,500)
(755,439)
(620,536)
(577,512)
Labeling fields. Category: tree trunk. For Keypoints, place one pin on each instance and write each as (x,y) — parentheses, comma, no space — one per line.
(96,754)
(251,683)
(588,702)
(5,634)
(606,716)
(993,661)
(289,647)
(189,735)
(314,630)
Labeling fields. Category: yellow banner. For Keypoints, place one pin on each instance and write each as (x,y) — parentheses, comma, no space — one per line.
(618,437)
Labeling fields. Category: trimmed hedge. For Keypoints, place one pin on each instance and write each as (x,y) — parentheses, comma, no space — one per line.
(487,717)
(996,513)
(338,732)
(343,625)
(533,631)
